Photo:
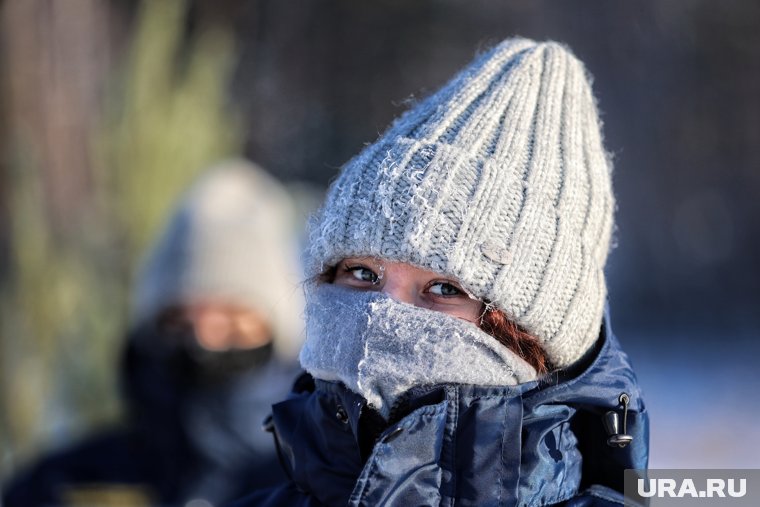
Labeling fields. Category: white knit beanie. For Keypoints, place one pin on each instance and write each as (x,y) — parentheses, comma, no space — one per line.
(500,180)
(232,238)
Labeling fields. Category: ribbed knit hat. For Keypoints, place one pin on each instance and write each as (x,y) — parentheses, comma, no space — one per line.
(231,238)
(500,180)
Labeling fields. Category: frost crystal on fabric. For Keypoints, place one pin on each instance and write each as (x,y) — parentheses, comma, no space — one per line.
(380,348)
(499,180)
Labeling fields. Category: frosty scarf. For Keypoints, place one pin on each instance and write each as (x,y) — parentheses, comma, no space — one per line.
(380,348)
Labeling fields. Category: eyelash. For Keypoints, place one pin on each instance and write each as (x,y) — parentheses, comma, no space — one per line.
(457,290)
(357,267)
(376,278)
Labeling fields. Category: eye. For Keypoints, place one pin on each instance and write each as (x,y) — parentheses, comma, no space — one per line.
(363,274)
(444,289)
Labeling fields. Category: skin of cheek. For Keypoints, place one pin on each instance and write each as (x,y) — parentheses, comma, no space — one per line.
(472,311)
(469,310)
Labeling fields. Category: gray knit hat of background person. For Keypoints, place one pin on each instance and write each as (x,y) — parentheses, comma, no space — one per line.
(231,238)
(499,179)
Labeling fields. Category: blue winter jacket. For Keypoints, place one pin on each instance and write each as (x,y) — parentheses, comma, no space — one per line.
(528,445)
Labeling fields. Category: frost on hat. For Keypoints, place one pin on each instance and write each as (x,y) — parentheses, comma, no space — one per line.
(499,179)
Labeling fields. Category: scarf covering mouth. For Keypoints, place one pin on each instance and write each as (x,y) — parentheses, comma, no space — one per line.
(380,348)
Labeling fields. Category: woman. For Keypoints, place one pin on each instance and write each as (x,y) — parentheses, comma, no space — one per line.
(457,346)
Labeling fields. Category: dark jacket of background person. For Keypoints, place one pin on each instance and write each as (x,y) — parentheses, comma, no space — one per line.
(463,445)
(157,458)
(193,430)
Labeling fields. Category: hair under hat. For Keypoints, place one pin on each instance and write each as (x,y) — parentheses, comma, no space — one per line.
(500,180)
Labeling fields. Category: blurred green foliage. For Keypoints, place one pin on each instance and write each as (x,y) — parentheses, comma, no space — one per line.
(64,309)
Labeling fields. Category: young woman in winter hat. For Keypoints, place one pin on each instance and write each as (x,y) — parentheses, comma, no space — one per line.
(458,349)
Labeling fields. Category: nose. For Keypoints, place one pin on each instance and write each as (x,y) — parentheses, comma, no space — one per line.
(400,290)
(213,327)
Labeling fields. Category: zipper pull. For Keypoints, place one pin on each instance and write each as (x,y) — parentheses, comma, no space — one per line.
(618,438)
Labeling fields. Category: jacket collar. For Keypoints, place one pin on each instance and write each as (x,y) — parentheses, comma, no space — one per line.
(548,437)
(562,423)
(574,404)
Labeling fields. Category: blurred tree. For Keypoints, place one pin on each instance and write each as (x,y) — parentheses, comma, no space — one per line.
(168,121)
(98,153)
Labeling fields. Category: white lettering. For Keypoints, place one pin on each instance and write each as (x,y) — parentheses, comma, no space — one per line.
(688,489)
(732,491)
(667,486)
(652,488)
(716,486)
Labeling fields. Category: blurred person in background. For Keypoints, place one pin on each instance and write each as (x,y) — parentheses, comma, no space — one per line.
(215,331)
(458,348)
